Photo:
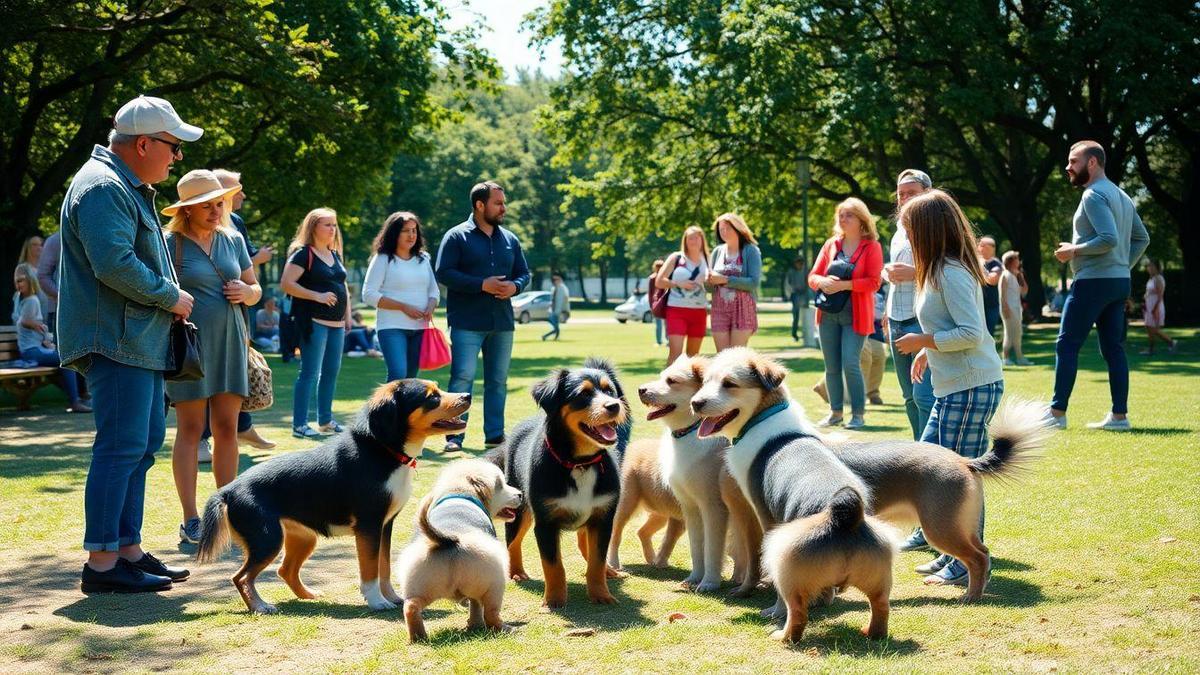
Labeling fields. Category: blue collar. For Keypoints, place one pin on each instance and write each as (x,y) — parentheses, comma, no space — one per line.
(760,418)
(680,433)
(470,498)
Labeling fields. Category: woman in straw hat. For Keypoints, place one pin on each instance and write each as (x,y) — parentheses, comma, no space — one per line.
(212,264)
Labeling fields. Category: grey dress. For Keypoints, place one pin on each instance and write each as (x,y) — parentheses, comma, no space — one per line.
(219,322)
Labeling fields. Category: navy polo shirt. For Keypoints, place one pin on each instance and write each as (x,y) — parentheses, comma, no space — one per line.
(465,258)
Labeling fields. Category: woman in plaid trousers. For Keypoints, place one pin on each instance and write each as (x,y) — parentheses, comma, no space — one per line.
(954,342)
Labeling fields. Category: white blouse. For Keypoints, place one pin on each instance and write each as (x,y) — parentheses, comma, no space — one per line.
(409,281)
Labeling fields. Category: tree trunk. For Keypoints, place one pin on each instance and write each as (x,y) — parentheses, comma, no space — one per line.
(603,265)
(582,286)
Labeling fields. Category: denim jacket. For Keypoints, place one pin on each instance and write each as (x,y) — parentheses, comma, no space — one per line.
(115,288)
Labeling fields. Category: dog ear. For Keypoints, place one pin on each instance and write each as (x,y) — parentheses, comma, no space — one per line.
(481,489)
(549,391)
(698,364)
(384,417)
(769,373)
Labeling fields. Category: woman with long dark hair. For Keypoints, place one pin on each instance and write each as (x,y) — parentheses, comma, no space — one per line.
(401,285)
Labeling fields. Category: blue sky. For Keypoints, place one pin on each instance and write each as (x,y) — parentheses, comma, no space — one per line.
(505,39)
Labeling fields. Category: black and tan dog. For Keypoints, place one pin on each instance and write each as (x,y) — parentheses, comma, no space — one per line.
(567,462)
(354,484)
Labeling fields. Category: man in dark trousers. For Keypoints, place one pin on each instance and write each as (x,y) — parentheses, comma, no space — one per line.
(482,267)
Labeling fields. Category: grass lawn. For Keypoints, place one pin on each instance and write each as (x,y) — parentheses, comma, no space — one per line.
(1096,559)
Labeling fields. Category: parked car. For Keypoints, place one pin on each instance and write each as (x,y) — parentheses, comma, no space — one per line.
(532,305)
(636,308)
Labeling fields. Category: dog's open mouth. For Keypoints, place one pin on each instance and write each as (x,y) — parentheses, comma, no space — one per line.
(604,434)
(711,425)
(507,514)
(456,423)
(656,413)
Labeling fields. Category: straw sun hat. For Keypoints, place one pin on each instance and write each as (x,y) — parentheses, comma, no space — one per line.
(197,187)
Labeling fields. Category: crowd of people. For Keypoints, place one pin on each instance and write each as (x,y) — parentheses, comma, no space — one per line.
(116,284)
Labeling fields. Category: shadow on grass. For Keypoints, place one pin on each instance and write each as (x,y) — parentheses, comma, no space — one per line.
(582,613)
(448,637)
(835,637)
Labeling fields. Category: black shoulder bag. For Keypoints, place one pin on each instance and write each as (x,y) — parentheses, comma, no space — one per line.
(183,347)
(832,303)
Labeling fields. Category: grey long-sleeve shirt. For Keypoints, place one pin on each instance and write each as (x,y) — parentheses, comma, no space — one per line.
(1109,233)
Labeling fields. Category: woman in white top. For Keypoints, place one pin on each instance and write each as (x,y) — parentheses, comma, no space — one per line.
(1012,288)
(683,277)
(401,285)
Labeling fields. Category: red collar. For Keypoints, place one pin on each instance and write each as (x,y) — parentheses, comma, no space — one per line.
(402,458)
(594,459)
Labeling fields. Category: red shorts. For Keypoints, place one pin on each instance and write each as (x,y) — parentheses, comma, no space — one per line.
(689,321)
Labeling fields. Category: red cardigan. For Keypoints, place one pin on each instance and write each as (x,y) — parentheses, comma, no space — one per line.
(866,280)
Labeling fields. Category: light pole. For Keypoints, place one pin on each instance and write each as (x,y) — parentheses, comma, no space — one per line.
(805,179)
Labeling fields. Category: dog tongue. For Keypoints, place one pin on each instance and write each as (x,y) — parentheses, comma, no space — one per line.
(607,431)
(707,426)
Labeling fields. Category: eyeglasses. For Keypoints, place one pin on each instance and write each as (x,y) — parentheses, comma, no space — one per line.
(175,147)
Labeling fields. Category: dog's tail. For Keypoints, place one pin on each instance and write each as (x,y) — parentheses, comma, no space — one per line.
(845,509)
(436,537)
(1019,432)
(214,529)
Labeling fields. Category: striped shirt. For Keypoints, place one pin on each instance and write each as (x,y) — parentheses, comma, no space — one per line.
(902,295)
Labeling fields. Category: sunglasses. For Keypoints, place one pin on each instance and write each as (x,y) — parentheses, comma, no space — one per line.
(175,147)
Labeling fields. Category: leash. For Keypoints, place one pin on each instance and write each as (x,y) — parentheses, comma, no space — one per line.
(570,466)
(680,433)
(760,418)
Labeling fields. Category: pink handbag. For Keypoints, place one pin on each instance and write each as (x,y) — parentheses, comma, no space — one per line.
(435,350)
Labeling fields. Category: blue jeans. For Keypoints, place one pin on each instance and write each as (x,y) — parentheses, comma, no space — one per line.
(842,349)
(130,415)
(918,396)
(553,319)
(320,361)
(496,345)
(1099,302)
(49,357)
(401,349)
(797,299)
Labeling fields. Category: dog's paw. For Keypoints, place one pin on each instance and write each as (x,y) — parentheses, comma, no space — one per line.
(264,608)
(873,635)
(554,603)
(773,612)
(781,636)
(518,575)
(602,598)
(615,573)
(743,591)
(381,604)
(658,563)
(708,586)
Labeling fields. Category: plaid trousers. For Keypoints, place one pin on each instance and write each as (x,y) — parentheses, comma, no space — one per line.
(959,421)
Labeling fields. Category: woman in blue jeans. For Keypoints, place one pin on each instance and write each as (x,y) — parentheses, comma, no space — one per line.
(855,244)
(316,279)
(954,343)
(400,283)
(32,341)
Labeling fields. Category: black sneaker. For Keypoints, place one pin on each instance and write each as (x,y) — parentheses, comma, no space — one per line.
(493,442)
(151,565)
(124,577)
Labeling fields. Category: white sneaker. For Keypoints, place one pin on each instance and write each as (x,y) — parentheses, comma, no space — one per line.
(356,354)
(1109,423)
(1009,362)
(1050,420)
(204,455)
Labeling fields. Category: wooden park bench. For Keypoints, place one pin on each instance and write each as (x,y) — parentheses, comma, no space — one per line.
(21,382)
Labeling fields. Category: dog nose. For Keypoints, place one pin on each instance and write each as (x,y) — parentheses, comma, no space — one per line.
(613,408)
(642,390)
(698,403)
(466,397)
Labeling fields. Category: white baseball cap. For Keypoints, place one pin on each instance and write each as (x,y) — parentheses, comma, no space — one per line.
(147,115)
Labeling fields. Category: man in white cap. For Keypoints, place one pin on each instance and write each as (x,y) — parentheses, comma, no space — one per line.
(117,299)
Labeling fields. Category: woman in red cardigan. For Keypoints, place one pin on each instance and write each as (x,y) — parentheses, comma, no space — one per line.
(854,242)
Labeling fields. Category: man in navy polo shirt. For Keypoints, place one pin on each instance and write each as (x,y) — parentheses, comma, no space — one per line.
(482,266)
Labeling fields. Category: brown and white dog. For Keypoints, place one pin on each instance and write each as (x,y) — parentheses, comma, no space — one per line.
(354,484)
(692,466)
(812,507)
(643,485)
(455,554)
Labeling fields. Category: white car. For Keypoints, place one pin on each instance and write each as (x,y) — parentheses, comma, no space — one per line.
(636,308)
(532,305)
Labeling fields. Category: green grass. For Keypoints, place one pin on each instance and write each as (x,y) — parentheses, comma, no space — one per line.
(1096,557)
